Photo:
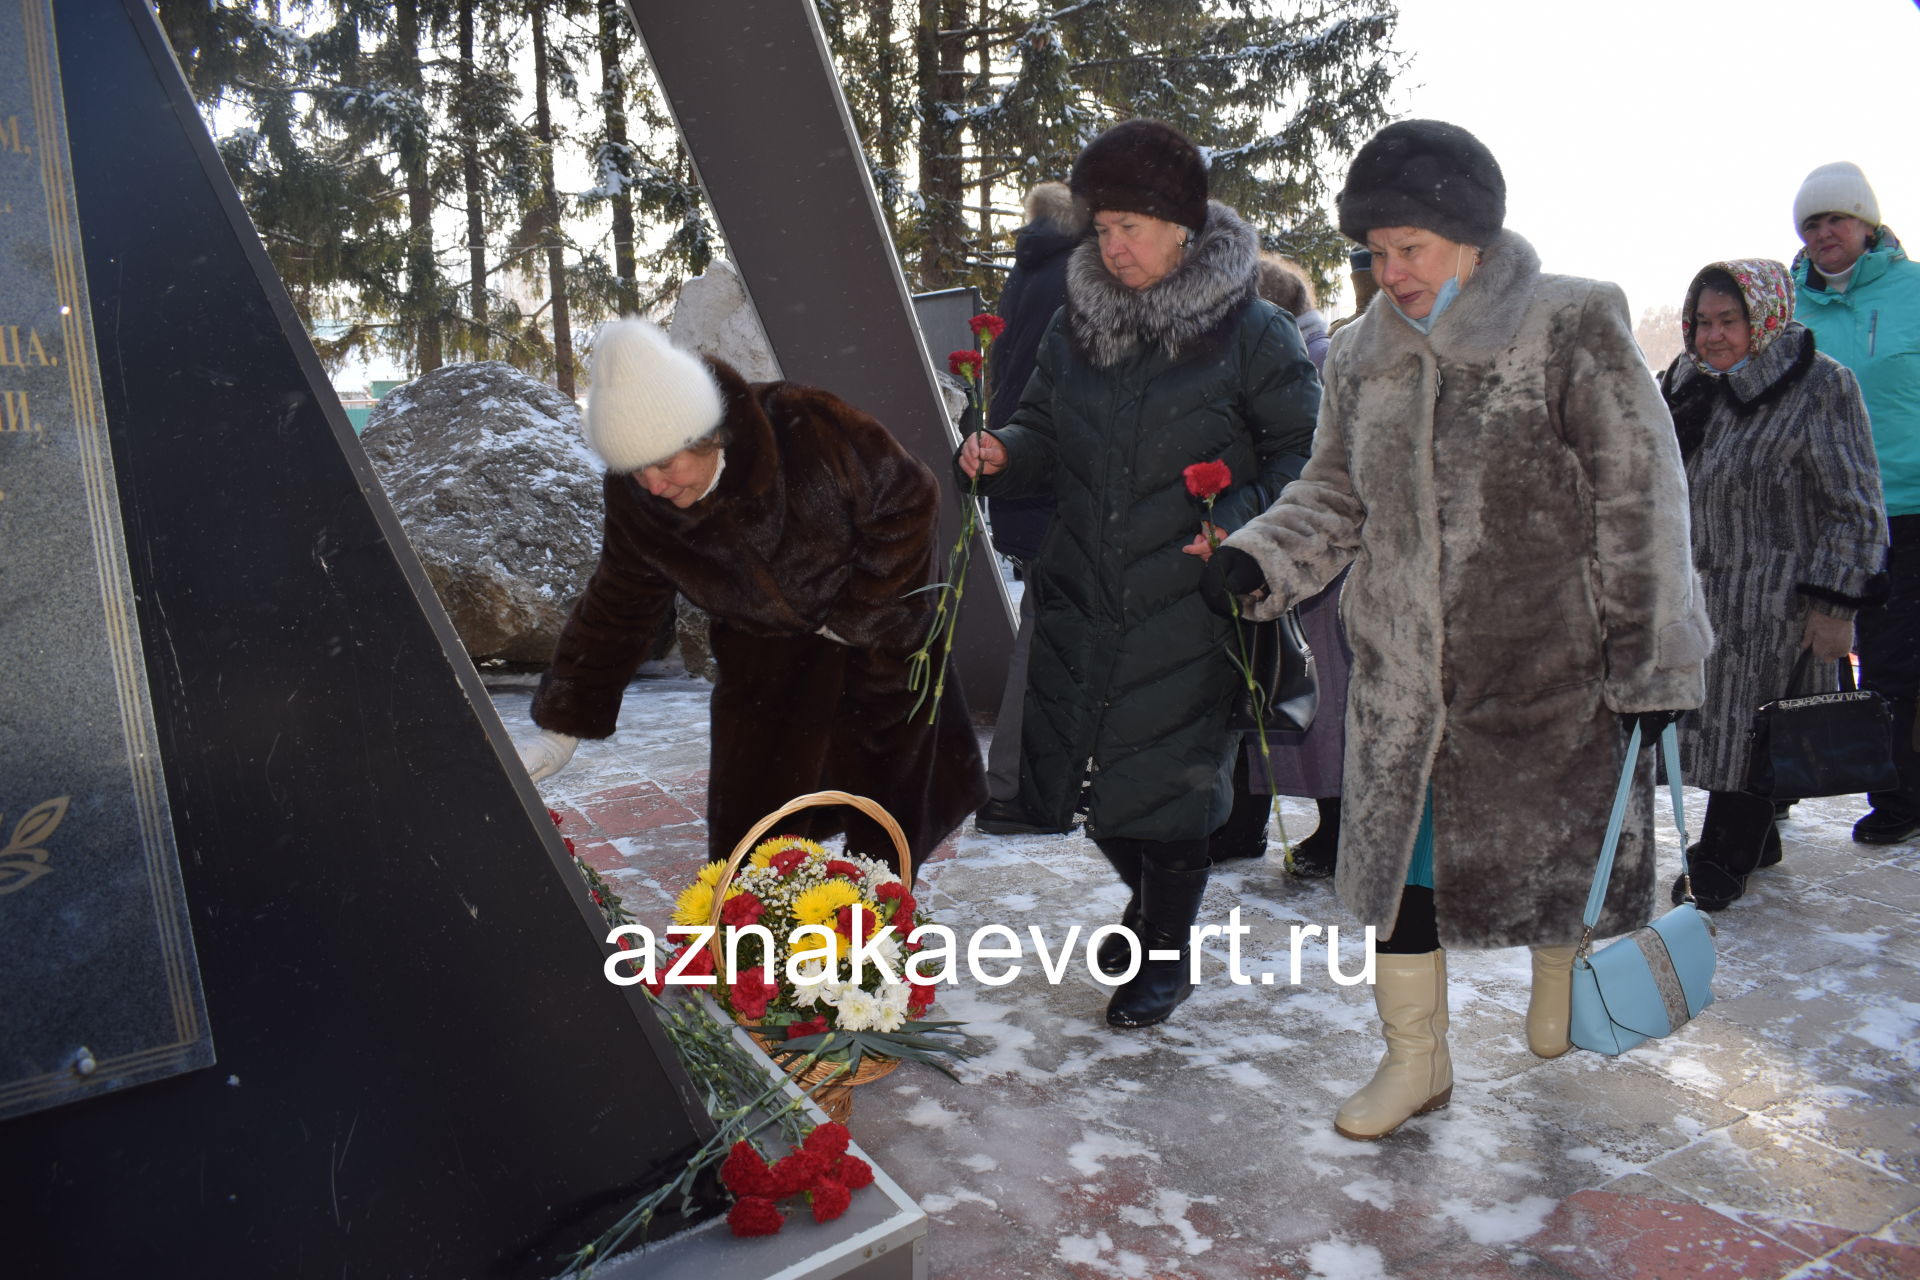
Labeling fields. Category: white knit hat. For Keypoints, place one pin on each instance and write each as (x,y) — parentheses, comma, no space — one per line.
(1839,187)
(649,399)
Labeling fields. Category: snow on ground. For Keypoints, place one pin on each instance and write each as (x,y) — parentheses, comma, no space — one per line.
(1778,1134)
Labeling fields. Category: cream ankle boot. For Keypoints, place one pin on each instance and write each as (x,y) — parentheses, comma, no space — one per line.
(1551,1005)
(1416,1076)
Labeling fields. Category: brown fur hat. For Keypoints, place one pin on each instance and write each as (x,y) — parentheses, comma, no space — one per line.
(1143,166)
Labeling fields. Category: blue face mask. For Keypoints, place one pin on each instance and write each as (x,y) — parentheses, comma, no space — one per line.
(1441,301)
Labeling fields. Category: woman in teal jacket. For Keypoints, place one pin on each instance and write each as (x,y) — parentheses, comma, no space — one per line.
(1860,295)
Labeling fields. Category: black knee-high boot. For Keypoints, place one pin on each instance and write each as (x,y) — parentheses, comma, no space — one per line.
(1317,856)
(1733,840)
(1244,834)
(1173,880)
(1124,856)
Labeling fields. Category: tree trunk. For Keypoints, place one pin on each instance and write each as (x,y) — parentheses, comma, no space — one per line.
(613,83)
(550,219)
(942,66)
(470,178)
(888,130)
(422,293)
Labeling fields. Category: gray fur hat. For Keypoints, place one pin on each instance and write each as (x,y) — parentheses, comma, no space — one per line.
(1428,174)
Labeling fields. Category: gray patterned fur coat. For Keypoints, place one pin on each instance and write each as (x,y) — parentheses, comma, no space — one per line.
(1786,517)
(1510,497)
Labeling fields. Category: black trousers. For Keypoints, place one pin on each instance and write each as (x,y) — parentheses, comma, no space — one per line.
(1889,639)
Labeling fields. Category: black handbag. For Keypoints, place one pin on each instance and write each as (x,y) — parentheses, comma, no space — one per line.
(1284,677)
(1827,744)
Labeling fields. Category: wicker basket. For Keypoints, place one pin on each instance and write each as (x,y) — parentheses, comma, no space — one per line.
(836,1097)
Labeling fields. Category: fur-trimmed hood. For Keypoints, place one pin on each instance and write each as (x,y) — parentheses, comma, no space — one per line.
(1107,319)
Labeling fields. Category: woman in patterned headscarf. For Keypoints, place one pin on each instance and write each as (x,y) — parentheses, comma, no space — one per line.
(1788,534)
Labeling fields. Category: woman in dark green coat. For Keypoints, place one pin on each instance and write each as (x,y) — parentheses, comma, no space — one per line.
(1163,357)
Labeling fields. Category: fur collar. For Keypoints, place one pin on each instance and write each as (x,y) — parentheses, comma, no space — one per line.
(1693,397)
(1107,320)
(1483,321)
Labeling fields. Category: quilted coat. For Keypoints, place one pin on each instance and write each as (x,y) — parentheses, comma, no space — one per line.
(820,519)
(1509,495)
(1129,681)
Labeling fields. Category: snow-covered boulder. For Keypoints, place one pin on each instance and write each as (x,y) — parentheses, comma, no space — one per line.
(499,496)
(714,317)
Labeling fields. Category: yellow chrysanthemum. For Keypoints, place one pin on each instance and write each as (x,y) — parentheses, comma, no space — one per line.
(763,852)
(695,903)
(820,904)
(710,874)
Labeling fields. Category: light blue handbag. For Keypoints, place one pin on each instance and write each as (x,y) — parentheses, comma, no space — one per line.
(1657,978)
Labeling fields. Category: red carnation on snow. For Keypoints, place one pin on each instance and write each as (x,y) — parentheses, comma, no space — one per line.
(1208,479)
(754,1216)
(990,326)
(964,364)
(830,1200)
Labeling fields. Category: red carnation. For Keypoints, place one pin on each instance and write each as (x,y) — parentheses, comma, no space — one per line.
(828,1139)
(990,325)
(851,1172)
(843,921)
(626,942)
(811,1027)
(555,815)
(742,909)
(840,867)
(830,1200)
(801,1171)
(919,997)
(786,860)
(1208,479)
(964,364)
(745,1173)
(754,1216)
(750,996)
(568,842)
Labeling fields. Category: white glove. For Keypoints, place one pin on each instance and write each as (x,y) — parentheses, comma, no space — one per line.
(546,755)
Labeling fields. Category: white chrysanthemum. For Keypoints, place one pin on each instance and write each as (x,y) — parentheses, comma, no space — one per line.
(889,1018)
(858,1011)
(807,992)
(895,995)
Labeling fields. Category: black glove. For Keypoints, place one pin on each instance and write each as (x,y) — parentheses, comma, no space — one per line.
(1230,572)
(1651,723)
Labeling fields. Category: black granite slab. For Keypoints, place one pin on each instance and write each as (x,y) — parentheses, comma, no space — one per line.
(422,1071)
(101,988)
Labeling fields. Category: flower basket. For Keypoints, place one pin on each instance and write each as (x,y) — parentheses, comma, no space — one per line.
(799,909)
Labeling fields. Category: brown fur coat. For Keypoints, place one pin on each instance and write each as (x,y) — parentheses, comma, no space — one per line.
(1510,496)
(820,519)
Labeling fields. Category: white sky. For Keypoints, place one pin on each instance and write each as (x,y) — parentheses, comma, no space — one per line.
(1643,139)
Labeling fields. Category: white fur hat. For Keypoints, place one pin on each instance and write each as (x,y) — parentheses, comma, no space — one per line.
(649,399)
(1839,187)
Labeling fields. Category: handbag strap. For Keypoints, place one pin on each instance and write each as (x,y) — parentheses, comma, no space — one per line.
(1603,873)
(1844,666)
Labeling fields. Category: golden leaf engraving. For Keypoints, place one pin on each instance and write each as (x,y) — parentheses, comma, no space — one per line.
(36,825)
(18,870)
(20,862)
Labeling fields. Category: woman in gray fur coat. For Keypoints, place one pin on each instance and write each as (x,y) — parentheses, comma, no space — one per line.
(1161,358)
(1788,533)
(1495,464)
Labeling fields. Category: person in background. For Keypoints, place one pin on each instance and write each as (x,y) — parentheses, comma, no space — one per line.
(1495,463)
(1161,359)
(804,530)
(1035,289)
(1788,535)
(1365,287)
(1285,285)
(1302,764)
(1860,295)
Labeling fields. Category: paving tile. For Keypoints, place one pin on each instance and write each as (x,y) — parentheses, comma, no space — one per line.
(1811,1238)
(1608,1236)
(1904,1230)
(630,810)
(1871,1259)
(1753,1165)
(1480,1262)
(1884,1135)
